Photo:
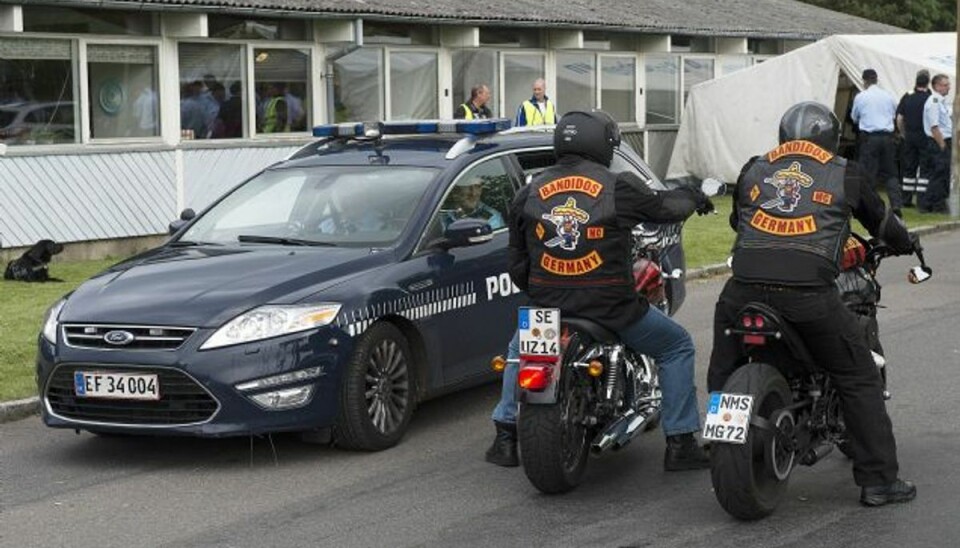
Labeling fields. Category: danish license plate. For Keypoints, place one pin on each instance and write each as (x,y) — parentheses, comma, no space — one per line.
(539,331)
(728,418)
(118,386)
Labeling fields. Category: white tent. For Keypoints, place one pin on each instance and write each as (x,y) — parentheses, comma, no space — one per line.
(730,119)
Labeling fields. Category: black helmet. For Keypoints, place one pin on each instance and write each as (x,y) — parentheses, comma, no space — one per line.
(592,135)
(811,121)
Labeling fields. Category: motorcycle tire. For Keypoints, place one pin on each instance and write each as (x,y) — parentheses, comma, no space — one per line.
(742,481)
(554,449)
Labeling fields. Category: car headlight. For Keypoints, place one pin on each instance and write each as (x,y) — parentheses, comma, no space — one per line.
(272,321)
(50,321)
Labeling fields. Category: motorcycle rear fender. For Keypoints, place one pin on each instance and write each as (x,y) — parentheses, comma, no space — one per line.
(789,347)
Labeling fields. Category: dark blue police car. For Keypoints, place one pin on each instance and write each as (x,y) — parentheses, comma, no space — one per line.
(329,293)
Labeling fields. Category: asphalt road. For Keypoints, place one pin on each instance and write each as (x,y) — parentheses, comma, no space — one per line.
(62,489)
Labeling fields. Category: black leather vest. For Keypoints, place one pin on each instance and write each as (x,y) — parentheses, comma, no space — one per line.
(573,237)
(791,200)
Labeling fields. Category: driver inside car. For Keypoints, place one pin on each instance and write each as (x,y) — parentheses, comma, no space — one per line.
(579,209)
(465,202)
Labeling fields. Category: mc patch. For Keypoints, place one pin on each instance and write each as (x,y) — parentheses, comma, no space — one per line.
(594,232)
(789,182)
(822,197)
(567,218)
(754,193)
(540,231)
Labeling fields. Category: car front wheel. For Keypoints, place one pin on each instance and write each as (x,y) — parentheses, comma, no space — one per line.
(377,393)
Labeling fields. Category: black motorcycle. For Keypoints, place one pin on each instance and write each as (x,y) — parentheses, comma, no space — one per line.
(779,410)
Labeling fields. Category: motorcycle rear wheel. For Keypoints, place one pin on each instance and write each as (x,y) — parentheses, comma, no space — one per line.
(743,481)
(554,444)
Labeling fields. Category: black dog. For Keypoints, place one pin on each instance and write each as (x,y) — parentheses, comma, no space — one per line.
(32,265)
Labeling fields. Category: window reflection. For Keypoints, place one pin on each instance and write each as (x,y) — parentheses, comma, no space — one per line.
(211,91)
(36,92)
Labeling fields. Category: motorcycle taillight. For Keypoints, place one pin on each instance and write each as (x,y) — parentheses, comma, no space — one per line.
(535,378)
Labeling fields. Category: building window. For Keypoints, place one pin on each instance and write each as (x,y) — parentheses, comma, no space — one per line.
(357,85)
(123,95)
(89,21)
(663,84)
(511,37)
(37,92)
(618,78)
(413,85)
(576,81)
(732,63)
(763,46)
(210,77)
(473,68)
(239,28)
(398,34)
(282,84)
(691,44)
(695,71)
(519,73)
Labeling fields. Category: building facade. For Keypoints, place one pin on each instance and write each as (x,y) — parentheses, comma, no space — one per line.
(115,115)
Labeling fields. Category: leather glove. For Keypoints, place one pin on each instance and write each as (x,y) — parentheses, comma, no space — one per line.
(705,206)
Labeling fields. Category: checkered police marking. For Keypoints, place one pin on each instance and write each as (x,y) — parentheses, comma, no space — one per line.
(413,307)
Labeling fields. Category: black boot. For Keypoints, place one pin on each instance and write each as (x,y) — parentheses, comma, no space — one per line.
(898,491)
(503,452)
(683,453)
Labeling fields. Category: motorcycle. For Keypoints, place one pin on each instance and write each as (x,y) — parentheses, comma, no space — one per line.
(778,409)
(582,390)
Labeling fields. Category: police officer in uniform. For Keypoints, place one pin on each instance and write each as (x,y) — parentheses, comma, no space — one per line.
(914,160)
(874,111)
(938,126)
(570,248)
(792,213)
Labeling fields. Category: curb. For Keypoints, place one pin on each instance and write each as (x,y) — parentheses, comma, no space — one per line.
(712,270)
(18,409)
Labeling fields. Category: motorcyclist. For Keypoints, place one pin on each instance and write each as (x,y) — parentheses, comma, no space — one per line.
(570,245)
(787,254)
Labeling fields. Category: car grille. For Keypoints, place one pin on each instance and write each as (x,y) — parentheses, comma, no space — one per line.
(144,337)
(182,399)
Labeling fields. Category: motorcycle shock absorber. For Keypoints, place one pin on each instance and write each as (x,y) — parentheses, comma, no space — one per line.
(615,353)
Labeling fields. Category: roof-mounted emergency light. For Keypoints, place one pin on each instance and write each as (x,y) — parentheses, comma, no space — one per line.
(413,127)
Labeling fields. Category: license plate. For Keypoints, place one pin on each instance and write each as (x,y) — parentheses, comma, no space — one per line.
(539,331)
(119,386)
(728,417)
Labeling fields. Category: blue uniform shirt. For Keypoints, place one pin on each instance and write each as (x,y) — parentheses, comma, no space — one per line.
(874,110)
(938,112)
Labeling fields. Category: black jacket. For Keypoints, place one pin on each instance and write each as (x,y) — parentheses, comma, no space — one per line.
(610,306)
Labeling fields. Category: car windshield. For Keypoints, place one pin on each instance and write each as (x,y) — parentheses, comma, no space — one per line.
(356,206)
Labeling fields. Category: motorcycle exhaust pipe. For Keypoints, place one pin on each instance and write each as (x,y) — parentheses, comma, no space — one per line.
(637,425)
(619,433)
(814,455)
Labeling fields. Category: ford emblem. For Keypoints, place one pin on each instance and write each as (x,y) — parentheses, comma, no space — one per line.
(118,338)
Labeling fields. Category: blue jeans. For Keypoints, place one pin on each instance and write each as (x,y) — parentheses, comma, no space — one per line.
(655,335)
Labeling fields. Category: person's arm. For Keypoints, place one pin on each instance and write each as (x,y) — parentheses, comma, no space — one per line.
(931,119)
(521,117)
(872,212)
(636,202)
(517,255)
(460,112)
(734,219)
(899,117)
(855,111)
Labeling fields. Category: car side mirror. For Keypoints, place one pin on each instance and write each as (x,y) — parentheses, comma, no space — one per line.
(186,216)
(466,232)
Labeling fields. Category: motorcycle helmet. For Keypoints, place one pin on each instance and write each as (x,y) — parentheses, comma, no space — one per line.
(811,121)
(592,135)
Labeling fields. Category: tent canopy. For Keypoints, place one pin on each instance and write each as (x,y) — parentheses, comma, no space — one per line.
(730,119)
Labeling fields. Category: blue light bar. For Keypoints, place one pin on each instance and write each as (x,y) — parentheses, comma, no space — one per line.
(483,127)
(338,130)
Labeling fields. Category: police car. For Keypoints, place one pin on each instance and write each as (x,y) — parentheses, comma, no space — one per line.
(328,294)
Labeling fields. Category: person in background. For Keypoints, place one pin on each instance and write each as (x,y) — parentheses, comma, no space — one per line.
(874,111)
(938,127)
(476,107)
(914,157)
(538,110)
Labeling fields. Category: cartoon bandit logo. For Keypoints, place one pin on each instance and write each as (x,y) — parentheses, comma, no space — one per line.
(567,218)
(789,183)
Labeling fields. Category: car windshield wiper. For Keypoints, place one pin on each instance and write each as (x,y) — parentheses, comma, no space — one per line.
(189,243)
(248,238)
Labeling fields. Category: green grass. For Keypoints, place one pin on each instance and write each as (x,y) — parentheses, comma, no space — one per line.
(21,312)
(707,240)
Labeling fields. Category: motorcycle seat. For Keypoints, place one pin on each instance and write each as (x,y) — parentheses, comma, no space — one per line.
(596,331)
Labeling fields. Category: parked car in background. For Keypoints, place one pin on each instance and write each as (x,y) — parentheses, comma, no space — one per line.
(37,123)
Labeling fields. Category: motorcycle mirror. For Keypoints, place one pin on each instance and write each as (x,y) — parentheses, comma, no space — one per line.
(713,187)
(919,274)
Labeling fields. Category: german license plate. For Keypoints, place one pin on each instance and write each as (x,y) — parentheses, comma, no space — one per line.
(728,417)
(119,386)
(539,331)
